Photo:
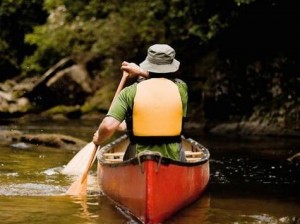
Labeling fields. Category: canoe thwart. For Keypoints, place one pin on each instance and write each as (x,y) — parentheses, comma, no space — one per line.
(193,154)
(113,157)
(114,160)
(113,154)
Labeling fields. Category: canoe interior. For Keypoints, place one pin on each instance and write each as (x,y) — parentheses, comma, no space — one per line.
(114,152)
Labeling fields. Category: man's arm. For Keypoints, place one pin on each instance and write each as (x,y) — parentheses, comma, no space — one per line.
(106,129)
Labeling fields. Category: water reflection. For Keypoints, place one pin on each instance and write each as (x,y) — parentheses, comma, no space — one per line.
(198,212)
(262,175)
(57,209)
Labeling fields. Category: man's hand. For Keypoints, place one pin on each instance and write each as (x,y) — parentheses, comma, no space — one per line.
(122,127)
(133,70)
(96,138)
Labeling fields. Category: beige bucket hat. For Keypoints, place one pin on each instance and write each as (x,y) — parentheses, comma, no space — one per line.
(160,59)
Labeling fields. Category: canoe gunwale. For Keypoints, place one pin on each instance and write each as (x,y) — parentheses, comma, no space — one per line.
(154,157)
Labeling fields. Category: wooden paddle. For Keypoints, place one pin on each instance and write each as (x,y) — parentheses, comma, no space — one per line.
(77,165)
(79,187)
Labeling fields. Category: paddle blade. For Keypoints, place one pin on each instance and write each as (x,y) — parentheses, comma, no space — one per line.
(79,187)
(79,162)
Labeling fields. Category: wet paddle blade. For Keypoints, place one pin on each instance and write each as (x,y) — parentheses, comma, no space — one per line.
(79,187)
(79,162)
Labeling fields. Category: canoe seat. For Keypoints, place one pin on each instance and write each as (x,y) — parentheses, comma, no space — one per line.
(193,156)
(192,159)
(114,160)
(113,157)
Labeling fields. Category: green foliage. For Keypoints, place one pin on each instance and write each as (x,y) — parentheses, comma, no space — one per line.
(85,34)
(117,30)
(107,29)
(231,45)
(240,2)
(16,19)
(50,5)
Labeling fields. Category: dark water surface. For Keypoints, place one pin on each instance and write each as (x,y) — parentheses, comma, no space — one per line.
(251,181)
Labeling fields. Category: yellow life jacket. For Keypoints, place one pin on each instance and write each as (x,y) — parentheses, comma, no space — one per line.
(157,109)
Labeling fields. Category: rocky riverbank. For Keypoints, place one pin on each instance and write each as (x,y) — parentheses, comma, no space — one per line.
(67,91)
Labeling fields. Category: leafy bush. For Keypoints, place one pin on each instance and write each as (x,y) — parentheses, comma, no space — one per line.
(16,19)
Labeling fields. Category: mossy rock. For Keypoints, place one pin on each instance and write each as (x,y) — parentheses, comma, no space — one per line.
(102,99)
(68,111)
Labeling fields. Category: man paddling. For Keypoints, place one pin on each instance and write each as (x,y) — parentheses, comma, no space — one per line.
(153,108)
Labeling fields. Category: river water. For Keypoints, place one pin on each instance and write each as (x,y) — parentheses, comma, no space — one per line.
(251,181)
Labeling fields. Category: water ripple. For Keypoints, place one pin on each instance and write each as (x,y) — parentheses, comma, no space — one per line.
(31,189)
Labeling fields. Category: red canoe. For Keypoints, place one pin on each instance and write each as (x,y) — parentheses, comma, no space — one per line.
(151,187)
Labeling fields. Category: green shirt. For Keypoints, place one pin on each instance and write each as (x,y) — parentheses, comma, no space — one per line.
(124,102)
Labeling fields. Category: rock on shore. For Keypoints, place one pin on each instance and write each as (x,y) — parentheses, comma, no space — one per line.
(58,141)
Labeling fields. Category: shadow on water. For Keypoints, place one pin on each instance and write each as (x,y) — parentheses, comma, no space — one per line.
(251,182)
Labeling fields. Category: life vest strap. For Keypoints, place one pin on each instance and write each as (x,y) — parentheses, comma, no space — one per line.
(155,140)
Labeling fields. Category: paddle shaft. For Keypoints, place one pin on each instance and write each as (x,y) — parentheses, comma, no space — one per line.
(90,163)
(121,84)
